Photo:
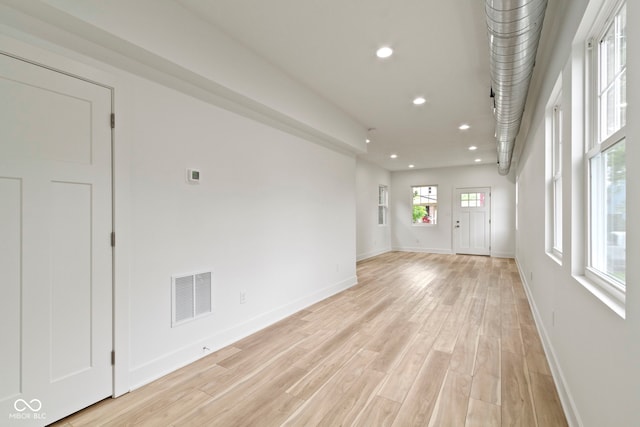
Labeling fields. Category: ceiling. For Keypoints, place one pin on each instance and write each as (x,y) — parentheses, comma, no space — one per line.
(440,53)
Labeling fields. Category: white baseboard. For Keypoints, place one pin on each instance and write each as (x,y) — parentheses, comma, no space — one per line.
(185,355)
(502,254)
(568,404)
(371,254)
(422,250)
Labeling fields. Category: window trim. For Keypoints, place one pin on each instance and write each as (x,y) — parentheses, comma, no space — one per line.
(554,173)
(384,205)
(609,290)
(557,178)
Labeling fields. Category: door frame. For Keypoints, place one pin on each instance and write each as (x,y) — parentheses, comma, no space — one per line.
(455,207)
(43,57)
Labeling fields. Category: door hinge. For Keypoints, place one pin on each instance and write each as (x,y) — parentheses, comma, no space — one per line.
(113,239)
(113,358)
(113,120)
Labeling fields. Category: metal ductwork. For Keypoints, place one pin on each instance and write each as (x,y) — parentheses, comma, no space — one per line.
(514,32)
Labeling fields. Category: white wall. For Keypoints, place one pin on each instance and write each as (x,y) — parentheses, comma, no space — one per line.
(371,239)
(593,351)
(274,214)
(438,238)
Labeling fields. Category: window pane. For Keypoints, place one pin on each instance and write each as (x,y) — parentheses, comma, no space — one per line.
(612,78)
(557,214)
(382,195)
(425,204)
(621,98)
(608,212)
(557,140)
(621,38)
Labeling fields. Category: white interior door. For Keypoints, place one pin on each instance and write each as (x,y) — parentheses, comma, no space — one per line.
(55,250)
(472,221)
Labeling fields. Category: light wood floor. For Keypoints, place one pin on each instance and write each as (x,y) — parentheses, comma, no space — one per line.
(422,340)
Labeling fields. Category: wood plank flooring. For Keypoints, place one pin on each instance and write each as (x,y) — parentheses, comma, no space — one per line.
(422,340)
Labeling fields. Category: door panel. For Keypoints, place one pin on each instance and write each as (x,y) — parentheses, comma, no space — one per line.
(70,273)
(10,244)
(472,221)
(56,260)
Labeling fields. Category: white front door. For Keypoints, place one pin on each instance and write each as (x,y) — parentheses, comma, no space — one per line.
(55,250)
(472,221)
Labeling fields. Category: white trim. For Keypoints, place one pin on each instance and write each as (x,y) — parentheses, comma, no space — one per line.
(423,250)
(502,254)
(169,362)
(371,254)
(566,398)
(604,291)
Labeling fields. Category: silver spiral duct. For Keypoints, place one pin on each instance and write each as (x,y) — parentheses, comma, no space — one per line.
(514,32)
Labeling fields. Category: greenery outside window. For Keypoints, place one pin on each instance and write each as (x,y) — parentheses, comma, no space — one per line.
(425,204)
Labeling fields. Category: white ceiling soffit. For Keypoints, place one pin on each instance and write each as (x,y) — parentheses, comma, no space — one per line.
(440,52)
(195,57)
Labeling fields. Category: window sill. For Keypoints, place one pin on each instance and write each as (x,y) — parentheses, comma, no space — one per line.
(426,224)
(555,256)
(611,297)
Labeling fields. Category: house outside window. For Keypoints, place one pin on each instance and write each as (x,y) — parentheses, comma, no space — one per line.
(425,204)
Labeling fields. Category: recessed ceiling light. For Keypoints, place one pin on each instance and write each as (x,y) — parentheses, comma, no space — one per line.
(472,148)
(412,166)
(464,126)
(384,52)
(419,100)
(394,156)
(367,140)
(477,160)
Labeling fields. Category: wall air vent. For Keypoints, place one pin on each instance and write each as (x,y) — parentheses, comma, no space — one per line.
(191,297)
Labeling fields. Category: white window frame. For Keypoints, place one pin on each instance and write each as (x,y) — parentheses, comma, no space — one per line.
(435,217)
(383,205)
(554,194)
(609,289)
(556,178)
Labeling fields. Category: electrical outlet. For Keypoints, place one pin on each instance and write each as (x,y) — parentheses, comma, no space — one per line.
(243,297)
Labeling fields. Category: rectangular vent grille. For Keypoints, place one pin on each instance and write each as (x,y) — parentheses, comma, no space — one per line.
(191,296)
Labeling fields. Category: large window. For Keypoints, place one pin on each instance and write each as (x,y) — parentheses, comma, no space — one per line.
(554,172)
(383,199)
(605,154)
(425,204)
(556,177)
